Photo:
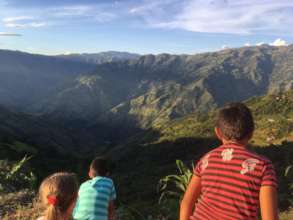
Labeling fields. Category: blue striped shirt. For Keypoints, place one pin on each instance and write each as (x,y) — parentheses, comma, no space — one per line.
(93,199)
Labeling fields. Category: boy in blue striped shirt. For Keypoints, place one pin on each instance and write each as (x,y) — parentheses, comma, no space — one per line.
(96,196)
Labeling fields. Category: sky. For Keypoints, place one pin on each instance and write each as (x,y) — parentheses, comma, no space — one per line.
(143,26)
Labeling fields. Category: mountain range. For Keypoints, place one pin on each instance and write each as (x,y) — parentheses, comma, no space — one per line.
(151,90)
(138,92)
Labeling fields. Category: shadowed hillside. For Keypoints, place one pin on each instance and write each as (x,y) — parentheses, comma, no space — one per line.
(26,79)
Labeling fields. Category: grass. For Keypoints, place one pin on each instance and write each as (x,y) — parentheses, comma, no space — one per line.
(287,215)
(18,206)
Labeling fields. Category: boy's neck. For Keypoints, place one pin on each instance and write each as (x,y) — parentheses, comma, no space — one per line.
(242,143)
(95,176)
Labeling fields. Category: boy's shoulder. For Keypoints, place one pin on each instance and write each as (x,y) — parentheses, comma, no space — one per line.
(106,180)
(97,179)
(85,184)
(245,152)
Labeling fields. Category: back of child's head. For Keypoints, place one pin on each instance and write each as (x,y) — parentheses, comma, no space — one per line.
(57,193)
(99,167)
(235,122)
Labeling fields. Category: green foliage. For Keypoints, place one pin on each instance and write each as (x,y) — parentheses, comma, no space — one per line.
(175,185)
(281,103)
(273,118)
(281,157)
(287,171)
(172,188)
(16,176)
(289,175)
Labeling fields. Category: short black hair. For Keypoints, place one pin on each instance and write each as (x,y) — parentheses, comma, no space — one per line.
(235,121)
(100,166)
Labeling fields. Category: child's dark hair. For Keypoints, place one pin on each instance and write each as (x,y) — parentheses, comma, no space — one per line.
(235,121)
(100,166)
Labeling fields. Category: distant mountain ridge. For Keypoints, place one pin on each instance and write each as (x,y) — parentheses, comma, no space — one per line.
(144,92)
(102,57)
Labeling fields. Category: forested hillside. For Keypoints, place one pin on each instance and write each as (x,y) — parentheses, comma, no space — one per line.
(154,89)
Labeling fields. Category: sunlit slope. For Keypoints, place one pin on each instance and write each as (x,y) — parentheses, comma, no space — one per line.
(273,116)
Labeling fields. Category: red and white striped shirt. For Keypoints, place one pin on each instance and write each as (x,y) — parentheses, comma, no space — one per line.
(231,177)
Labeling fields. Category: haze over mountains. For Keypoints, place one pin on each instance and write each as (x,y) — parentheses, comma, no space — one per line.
(137,92)
(27,78)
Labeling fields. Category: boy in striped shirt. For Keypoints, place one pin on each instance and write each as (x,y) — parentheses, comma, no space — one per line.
(231,182)
(96,196)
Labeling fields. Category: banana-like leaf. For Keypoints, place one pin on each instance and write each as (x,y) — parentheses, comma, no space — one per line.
(288,170)
(178,183)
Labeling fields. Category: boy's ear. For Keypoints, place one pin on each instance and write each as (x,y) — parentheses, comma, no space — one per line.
(218,133)
(90,173)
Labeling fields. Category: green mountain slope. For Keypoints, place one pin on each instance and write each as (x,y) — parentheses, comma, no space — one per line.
(154,89)
(273,117)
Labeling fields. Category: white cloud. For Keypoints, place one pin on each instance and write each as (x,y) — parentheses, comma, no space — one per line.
(59,15)
(22,22)
(224,47)
(105,17)
(260,43)
(219,16)
(247,44)
(67,53)
(17,18)
(7,34)
(81,11)
(26,25)
(279,42)
(207,16)
(74,10)
(147,6)
(99,13)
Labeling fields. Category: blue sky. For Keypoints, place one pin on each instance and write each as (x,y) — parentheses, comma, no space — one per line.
(143,26)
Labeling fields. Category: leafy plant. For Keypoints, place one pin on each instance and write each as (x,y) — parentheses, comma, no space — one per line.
(175,185)
(172,189)
(289,175)
(16,176)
